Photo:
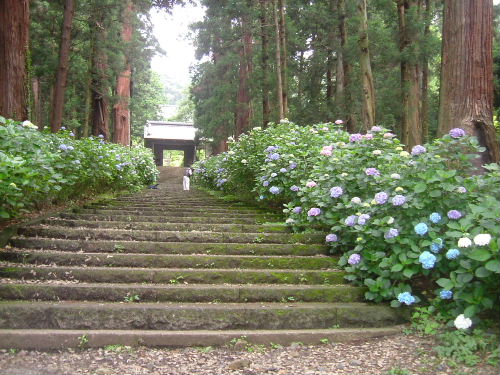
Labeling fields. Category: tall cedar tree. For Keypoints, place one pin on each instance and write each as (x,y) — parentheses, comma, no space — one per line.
(264,26)
(466,98)
(62,70)
(14,25)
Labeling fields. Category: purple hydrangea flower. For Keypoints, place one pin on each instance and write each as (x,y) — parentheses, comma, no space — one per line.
(297,210)
(294,188)
(293,165)
(454,214)
(72,134)
(391,233)
(363,218)
(372,172)
(355,137)
(418,149)
(461,190)
(274,190)
(314,212)
(283,170)
(63,147)
(398,200)
(354,259)
(336,192)
(351,221)
(376,129)
(381,197)
(265,183)
(331,237)
(274,156)
(272,148)
(457,133)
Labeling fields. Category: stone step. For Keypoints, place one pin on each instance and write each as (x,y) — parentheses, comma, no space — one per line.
(47,339)
(171,276)
(68,291)
(151,247)
(193,316)
(163,219)
(176,205)
(234,228)
(172,236)
(117,259)
(180,213)
(178,208)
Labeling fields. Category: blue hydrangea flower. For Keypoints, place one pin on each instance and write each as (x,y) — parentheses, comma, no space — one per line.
(331,238)
(293,165)
(363,218)
(452,253)
(391,233)
(437,245)
(283,170)
(418,149)
(274,156)
(435,217)
(294,188)
(372,172)
(350,221)
(427,259)
(63,147)
(381,197)
(272,148)
(454,214)
(457,132)
(274,190)
(297,210)
(265,183)
(354,259)
(421,228)
(446,294)
(406,298)
(336,192)
(398,200)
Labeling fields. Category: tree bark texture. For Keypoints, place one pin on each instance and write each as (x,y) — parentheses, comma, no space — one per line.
(279,75)
(411,130)
(244,100)
(424,111)
(466,97)
(266,109)
(369,106)
(330,61)
(36,113)
(14,26)
(62,70)
(121,109)
(283,55)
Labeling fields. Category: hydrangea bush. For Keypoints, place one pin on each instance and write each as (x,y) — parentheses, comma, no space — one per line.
(38,167)
(410,226)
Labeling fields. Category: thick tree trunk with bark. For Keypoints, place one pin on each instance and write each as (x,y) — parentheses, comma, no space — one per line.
(36,113)
(369,106)
(330,61)
(466,97)
(62,71)
(121,109)
(266,109)
(283,55)
(279,74)
(244,100)
(411,130)
(14,26)
(424,111)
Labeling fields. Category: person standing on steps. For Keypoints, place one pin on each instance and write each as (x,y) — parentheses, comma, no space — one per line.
(186,178)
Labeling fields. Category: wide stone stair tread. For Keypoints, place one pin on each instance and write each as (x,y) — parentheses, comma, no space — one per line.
(47,339)
(173,268)
(147,260)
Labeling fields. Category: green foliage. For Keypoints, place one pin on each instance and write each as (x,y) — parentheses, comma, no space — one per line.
(38,168)
(370,194)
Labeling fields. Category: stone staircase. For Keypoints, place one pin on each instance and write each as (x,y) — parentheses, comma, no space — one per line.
(172,268)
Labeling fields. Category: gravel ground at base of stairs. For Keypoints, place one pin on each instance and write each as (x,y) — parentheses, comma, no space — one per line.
(396,355)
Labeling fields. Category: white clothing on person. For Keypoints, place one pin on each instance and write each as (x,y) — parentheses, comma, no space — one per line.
(185,183)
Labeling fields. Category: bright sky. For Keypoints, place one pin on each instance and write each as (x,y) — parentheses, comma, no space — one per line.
(171,31)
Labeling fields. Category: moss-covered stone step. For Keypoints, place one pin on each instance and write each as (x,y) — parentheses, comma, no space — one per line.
(192,316)
(179,208)
(163,219)
(173,276)
(180,213)
(234,228)
(175,205)
(118,259)
(173,236)
(48,291)
(52,339)
(99,246)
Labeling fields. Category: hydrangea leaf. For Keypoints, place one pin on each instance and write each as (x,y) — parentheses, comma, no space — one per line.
(493,266)
(481,255)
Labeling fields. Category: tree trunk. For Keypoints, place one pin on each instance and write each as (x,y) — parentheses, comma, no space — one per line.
(424,113)
(244,100)
(411,131)
(36,113)
(121,109)
(283,55)
(62,70)
(368,110)
(330,62)
(266,109)
(347,110)
(14,26)
(466,97)
(279,85)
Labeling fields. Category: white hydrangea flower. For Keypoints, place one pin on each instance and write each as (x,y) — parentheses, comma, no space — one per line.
(396,176)
(356,200)
(482,239)
(399,148)
(244,161)
(461,322)
(257,128)
(399,188)
(290,221)
(404,154)
(377,152)
(390,221)
(464,242)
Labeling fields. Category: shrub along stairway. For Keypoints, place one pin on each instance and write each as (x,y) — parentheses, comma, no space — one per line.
(172,268)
